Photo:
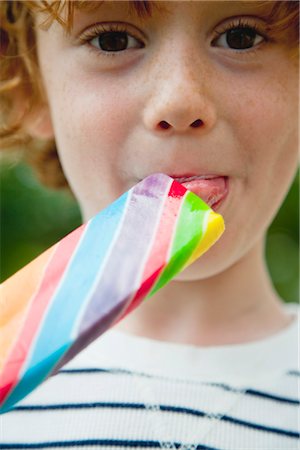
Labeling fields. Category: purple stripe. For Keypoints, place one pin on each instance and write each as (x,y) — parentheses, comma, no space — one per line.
(120,277)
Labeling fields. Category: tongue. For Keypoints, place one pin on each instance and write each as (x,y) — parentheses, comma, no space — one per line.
(210,190)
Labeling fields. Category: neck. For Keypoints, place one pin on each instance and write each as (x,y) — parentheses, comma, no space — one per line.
(238,305)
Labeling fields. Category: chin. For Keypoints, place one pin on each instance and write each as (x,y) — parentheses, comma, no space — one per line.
(200,270)
(209,265)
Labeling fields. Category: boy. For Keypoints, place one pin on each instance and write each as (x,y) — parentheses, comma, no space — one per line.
(206,92)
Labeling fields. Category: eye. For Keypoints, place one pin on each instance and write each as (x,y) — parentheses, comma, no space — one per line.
(241,37)
(113,39)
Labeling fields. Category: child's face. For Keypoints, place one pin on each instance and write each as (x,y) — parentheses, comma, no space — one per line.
(107,109)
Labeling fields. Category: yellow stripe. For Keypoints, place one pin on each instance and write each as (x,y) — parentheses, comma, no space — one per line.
(214,229)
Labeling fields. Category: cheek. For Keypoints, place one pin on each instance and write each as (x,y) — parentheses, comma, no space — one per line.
(272,139)
(92,121)
(265,117)
(265,120)
(93,118)
(262,123)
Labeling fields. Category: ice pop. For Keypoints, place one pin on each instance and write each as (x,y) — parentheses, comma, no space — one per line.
(79,288)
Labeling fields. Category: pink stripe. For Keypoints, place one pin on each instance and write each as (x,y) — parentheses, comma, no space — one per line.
(39,305)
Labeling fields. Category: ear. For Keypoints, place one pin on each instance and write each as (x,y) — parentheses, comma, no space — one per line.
(38,123)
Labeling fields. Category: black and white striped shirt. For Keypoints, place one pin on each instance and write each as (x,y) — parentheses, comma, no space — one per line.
(135,393)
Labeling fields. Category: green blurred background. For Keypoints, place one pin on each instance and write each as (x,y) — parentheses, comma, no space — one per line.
(33,218)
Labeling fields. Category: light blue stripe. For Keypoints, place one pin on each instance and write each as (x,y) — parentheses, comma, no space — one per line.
(55,336)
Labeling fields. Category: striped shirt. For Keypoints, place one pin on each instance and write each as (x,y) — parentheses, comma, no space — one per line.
(131,392)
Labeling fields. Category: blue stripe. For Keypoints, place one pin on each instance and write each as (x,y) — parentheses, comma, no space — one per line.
(259,427)
(55,337)
(254,392)
(265,395)
(90,405)
(294,373)
(88,370)
(164,408)
(276,398)
(99,443)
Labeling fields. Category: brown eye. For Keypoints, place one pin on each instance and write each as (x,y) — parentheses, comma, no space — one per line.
(114,41)
(241,38)
(238,38)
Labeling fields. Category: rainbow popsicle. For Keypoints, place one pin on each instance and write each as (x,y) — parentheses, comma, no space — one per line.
(79,288)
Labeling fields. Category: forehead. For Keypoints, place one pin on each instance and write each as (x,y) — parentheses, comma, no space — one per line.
(143,8)
(134,6)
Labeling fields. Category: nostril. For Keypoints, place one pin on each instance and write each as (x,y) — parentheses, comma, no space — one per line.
(163,124)
(197,123)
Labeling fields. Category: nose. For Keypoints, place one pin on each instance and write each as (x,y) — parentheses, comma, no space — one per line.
(179,99)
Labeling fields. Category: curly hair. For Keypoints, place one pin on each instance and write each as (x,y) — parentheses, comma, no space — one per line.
(20,81)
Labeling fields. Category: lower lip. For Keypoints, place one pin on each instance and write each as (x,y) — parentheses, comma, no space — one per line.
(212,191)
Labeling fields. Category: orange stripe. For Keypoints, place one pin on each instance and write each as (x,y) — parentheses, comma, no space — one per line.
(16,294)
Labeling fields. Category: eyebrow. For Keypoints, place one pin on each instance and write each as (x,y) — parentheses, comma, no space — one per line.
(142,8)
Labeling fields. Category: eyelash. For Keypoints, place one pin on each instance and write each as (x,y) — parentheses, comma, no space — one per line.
(243,24)
(99,29)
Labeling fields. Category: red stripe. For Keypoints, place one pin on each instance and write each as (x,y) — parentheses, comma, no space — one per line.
(157,259)
(39,304)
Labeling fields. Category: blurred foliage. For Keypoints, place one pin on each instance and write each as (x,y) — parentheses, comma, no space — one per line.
(33,218)
(282,246)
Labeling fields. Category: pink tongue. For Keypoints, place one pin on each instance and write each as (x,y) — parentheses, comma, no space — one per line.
(210,190)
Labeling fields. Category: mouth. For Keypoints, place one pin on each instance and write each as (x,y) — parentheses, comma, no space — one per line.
(212,189)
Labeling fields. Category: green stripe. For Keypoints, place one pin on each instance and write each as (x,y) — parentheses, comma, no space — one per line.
(188,234)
